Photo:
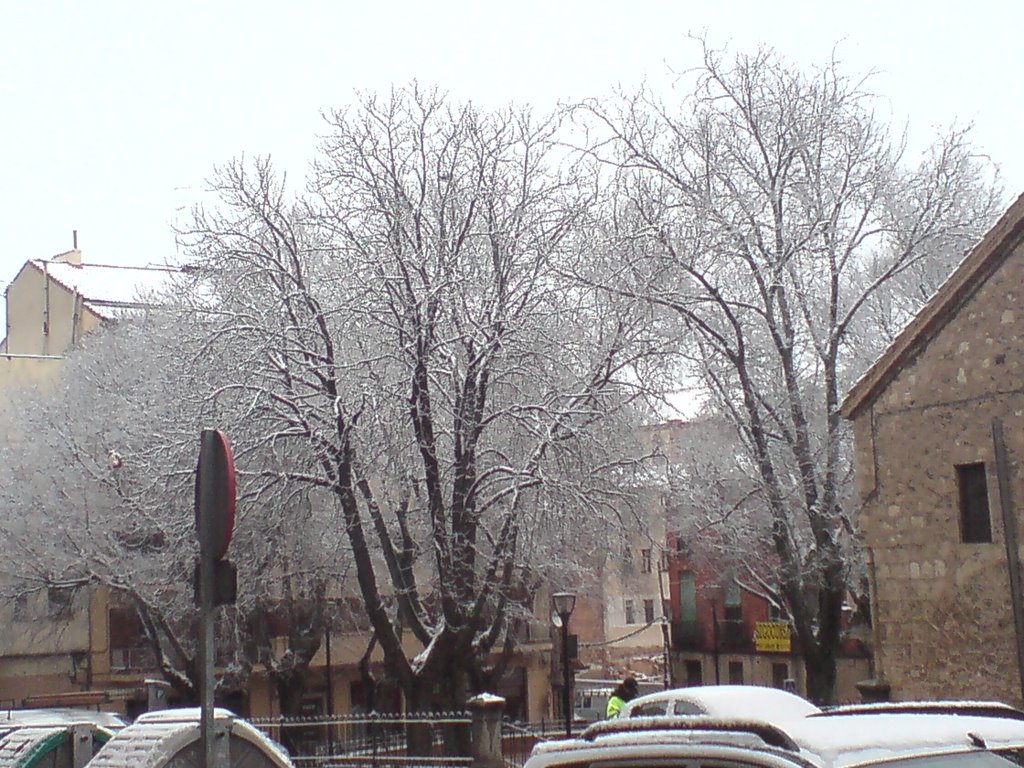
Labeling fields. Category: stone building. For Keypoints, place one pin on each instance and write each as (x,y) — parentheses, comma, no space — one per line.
(937,480)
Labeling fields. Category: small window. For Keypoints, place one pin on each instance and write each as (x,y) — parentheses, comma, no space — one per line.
(630,612)
(687,597)
(648,611)
(22,606)
(735,673)
(650,709)
(975,523)
(733,603)
(687,708)
(645,560)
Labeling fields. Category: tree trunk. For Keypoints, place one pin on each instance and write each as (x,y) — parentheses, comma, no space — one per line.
(290,689)
(821,676)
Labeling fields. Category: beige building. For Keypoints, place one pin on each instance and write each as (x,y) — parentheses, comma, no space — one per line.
(55,643)
(937,480)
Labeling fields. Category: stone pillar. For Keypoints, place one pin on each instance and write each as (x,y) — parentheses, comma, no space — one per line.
(486,711)
(156,695)
(81,745)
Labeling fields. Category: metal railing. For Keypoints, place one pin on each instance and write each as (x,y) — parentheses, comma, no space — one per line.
(519,738)
(372,740)
(734,632)
(686,635)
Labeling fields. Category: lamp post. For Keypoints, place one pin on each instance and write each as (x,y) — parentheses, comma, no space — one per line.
(564,602)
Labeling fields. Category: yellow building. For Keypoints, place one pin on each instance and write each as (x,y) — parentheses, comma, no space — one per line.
(54,643)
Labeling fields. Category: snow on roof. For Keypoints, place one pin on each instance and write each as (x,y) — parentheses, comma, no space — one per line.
(486,698)
(105,288)
(58,715)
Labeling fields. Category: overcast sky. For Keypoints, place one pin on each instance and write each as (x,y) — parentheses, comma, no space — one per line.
(114,113)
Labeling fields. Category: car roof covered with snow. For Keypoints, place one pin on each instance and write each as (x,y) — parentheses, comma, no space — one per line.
(722,701)
(835,739)
(859,735)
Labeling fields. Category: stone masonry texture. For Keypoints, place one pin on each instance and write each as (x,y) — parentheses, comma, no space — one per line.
(944,619)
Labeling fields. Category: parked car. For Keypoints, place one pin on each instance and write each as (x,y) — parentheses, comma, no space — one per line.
(721,701)
(929,735)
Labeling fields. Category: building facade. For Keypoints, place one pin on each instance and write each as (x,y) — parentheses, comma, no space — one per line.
(725,632)
(939,429)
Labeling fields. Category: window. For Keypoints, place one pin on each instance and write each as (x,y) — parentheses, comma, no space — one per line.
(649,611)
(687,597)
(650,709)
(975,524)
(733,603)
(22,606)
(645,560)
(59,601)
(780,672)
(630,613)
(628,565)
(735,673)
(694,672)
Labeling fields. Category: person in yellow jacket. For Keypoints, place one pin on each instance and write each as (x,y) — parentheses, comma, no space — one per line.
(624,691)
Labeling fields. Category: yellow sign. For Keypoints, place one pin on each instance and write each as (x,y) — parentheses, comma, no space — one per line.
(772,637)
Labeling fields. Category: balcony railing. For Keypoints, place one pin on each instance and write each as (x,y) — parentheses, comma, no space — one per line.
(686,635)
(734,632)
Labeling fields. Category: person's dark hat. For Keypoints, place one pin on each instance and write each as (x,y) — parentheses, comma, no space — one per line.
(630,684)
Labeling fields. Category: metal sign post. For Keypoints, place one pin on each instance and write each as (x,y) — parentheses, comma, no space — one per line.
(215,519)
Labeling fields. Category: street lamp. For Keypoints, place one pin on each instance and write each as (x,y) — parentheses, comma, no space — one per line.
(563,603)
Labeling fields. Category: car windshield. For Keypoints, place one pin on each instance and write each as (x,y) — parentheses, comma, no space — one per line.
(1004,758)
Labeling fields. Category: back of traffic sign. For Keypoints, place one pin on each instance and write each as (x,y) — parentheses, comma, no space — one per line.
(215,493)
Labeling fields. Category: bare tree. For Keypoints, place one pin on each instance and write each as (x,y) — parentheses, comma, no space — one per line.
(411,332)
(774,218)
(99,491)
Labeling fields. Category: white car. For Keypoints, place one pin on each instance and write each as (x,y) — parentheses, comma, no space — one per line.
(925,735)
(721,701)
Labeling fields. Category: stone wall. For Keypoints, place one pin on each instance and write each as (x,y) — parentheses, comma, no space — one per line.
(944,621)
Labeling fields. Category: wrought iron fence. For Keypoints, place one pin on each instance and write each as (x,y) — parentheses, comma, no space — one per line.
(373,740)
(519,738)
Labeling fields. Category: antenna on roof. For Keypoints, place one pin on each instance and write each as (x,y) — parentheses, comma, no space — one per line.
(74,239)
